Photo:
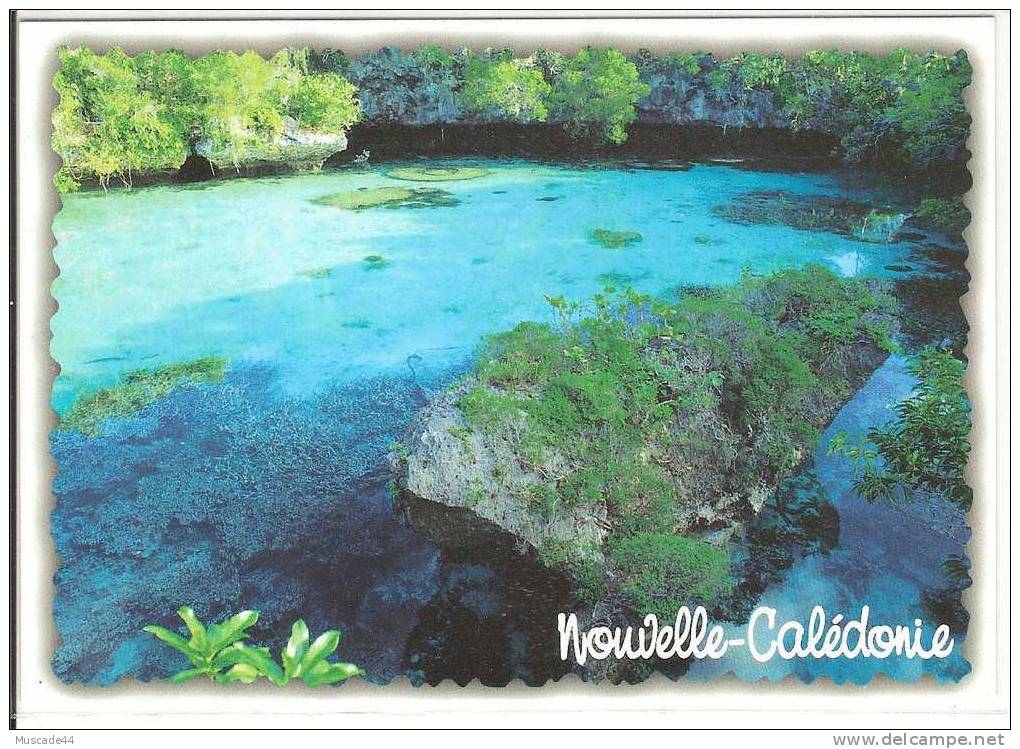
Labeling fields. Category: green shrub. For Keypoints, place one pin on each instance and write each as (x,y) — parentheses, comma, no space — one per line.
(107,125)
(324,103)
(595,93)
(120,116)
(948,215)
(218,653)
(662,572)
(926,447)
(512,89)
(137,390)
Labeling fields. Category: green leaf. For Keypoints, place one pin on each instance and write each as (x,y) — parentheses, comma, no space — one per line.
(226,657)
(183,676)
(260,659)
(242,672)
(323,647)
(198,636)
(231,630)
(330,673)
(296,648)
(172,639)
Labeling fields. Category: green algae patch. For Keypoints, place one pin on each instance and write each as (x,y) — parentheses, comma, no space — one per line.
(375,262)
(614,240)
(436,173)
(315,273)
(388,197)
(620,280)
(139,389)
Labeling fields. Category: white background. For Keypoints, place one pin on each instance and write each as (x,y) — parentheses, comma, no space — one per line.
(980,700)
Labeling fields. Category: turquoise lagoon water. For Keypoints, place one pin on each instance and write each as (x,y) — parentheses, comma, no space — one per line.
(268,490)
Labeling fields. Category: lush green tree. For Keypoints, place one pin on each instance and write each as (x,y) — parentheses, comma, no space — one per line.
(324,103)
(242,100)
(905,106)
(926,447)
(107,124)
(514,89)
(120,116)
(595,94)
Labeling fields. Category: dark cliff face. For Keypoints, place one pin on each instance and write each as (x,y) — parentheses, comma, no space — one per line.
(397,89)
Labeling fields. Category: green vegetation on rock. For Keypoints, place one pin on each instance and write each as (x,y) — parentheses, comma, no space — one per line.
(219,653)
(613,239)
(375,262)
(137,390)
(612,407)
(926,447)
(595,93)
(948,215)
(121,116)
(388,197)
(509,89)
(663,572)
(436,173)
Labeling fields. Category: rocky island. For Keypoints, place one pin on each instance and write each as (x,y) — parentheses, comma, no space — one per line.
(625,444)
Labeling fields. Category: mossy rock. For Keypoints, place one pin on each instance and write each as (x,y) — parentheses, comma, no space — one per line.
(139,389)
(388,197)
(613,239)
(436,173)
(375,262)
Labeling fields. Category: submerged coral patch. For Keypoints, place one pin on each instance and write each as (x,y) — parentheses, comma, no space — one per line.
(375,262)
(139,389)
(814,213)
(388,197)
(436,173)
(613,239)
(315,273)
(620,279)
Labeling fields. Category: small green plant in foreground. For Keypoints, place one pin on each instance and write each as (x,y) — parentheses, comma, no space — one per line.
(219,653)
(139,389)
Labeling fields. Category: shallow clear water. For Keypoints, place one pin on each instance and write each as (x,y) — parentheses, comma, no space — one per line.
(269,490)
(170,273)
